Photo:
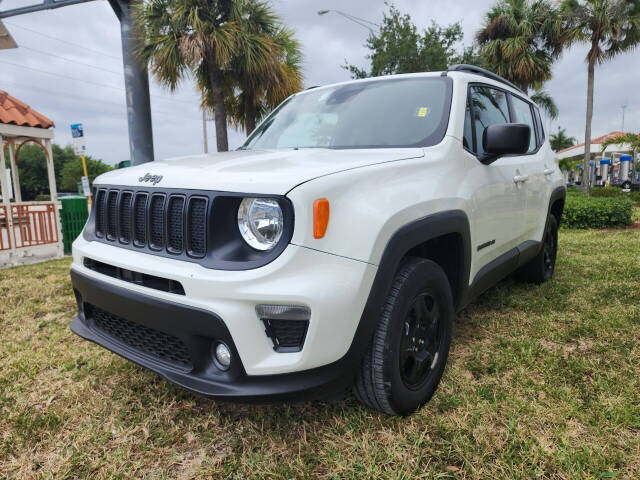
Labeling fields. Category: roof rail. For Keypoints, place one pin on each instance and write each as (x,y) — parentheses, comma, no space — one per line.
(480,71)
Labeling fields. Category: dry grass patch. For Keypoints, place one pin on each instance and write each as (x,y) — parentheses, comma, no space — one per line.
(542,382)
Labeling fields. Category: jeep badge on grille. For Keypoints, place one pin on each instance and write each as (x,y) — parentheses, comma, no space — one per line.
(147,177)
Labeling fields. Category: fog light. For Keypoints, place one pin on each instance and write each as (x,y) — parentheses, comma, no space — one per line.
(222,354)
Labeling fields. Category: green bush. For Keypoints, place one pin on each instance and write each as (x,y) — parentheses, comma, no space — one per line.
(581,211)
(610,192)
(606,192)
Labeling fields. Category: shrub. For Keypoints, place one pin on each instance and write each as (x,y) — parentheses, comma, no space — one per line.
(43,197)
(581,211)
(610,192)
(606,192)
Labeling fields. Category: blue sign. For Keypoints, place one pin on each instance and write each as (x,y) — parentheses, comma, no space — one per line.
(77,131)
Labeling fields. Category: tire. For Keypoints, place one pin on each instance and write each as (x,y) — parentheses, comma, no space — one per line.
(540,268)
(408,352)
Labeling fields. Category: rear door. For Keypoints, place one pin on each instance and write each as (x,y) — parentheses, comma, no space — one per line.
(536,167)
(497,195)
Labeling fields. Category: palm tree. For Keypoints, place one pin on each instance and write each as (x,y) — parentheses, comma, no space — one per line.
(560,140)
(182,36)
(520,39)
(261,86)
(216,41)
(261,73)
(610,27)
(544,101)
(631,139)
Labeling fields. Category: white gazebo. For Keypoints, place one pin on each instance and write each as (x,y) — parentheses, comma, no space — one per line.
(29,231)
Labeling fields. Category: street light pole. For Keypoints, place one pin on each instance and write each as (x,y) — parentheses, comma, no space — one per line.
(360,21)
(205,142)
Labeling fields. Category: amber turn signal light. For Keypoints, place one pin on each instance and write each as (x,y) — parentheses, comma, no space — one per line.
(320,217)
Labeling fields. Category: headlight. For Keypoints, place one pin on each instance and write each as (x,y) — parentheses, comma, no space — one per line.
(260,222)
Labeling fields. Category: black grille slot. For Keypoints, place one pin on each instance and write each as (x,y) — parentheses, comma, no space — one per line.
(101,214)
(125,217)
(156,222)
(175,224)
(112,214)
(287,335)
(197,221)
(164,347)
(140,220)
(149,281)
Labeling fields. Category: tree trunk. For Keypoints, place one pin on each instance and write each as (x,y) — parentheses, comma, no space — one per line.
(250,112)
(219,110)
(586,167)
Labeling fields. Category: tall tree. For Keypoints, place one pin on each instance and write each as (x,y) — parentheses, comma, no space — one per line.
(609,27)
(560,140)
(255,84)
(184,36)
(399,47)
(520,40)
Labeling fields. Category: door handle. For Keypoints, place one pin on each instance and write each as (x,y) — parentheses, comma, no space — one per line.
(548,171)
(520,178)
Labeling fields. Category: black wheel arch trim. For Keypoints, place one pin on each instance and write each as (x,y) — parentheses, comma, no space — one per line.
(400,243)
(558,193)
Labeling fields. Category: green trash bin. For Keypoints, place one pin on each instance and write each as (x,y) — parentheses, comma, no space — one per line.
(73,215)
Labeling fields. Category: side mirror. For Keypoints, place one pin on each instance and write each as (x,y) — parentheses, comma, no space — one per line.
(504,139)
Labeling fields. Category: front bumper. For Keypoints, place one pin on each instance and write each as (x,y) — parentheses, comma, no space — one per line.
(222,305)
(198,329)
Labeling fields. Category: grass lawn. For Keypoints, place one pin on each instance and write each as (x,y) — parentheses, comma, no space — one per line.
(542,382)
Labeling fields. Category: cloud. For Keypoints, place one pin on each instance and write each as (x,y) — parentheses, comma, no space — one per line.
(98,101)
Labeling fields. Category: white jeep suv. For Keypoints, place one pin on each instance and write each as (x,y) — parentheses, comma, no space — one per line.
(333,249)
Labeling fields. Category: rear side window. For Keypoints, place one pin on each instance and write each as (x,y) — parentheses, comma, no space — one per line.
(522,114)
(489,106)
(539,124)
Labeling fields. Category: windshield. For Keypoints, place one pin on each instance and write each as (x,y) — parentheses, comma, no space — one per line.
(403,112)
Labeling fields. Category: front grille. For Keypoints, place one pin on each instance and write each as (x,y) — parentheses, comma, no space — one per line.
(197,221)
(112,215)
(125,217)
(140,220)
(175,224)
(101,212)
(163,347)
(158,221)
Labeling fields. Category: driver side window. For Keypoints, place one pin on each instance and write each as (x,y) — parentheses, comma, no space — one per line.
(486,106)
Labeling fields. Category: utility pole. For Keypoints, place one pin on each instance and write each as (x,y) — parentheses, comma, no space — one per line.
(136,78)
(136,82)
(205,142)
(624,107)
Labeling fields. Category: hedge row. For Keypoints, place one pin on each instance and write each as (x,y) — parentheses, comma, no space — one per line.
(581,211)
(614,192)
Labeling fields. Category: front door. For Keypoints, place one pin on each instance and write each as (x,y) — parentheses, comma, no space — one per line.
(497,190)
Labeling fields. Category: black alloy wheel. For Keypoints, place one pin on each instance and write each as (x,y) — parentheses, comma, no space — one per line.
(420,341)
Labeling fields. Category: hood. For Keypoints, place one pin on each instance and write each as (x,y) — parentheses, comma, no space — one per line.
(248,171)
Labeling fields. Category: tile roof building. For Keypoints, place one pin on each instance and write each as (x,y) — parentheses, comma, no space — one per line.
(13,111)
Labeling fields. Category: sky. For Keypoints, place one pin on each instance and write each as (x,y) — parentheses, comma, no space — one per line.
(69,67)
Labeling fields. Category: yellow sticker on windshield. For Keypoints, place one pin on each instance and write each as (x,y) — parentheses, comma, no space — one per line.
(422,111)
